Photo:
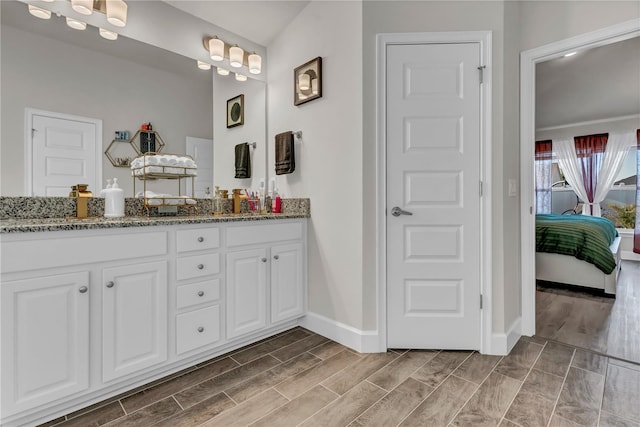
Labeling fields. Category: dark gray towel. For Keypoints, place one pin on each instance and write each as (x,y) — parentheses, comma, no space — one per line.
(243,161)
(285,155)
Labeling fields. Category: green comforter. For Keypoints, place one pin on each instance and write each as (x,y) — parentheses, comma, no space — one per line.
(585,237)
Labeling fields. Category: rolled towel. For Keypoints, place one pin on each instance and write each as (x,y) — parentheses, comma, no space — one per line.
(190,163)
(172,160)
(162,160)
(152,160)
(182,161)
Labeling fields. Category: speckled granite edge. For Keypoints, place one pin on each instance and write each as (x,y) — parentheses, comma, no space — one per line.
(33,214)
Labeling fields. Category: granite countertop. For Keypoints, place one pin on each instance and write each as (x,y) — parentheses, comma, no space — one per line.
(19,225)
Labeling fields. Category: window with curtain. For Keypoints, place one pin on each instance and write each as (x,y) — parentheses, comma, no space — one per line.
(590,152)
(543,178)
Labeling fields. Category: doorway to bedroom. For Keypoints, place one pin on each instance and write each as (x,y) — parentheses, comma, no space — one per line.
(583,103)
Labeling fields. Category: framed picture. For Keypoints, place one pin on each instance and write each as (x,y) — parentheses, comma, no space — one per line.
(235,111)
(307,81)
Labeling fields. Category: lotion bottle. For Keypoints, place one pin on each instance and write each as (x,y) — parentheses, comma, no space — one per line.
(114,200)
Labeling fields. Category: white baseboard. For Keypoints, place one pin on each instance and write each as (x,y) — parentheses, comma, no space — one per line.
(356,339)
(502,343)
(629,256)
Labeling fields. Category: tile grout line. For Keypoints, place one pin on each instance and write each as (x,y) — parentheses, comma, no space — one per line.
(564,380)
(522,383)
(176,400)
(329,403)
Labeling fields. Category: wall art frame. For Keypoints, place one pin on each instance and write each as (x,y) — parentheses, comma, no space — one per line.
(307,81)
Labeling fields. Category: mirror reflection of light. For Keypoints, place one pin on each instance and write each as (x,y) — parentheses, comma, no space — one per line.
(570,54)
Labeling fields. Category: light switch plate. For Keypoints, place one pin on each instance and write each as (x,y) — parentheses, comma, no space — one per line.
(513,189)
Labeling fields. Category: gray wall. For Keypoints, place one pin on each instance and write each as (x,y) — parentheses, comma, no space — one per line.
(51,75)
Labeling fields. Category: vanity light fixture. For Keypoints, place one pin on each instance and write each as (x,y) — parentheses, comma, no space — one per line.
(204,65)
(216,49)
(83,7)
(304,81)
(117,12)
(223,71)
(38,12)
(255,63)
(75,24)
(236,56)
(241,77)
(107,34)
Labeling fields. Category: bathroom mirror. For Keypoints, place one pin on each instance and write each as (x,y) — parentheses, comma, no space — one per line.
(124,83)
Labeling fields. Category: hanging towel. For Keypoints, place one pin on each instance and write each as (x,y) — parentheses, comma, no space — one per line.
(285,155)
(243,161)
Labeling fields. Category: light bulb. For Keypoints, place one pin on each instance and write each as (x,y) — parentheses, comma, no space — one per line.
(117,13)
(39,12)
(241,77)
(109,35)
(255,63)
(75,24)
(314,86)
(223,71)
(83,7)
(236,56)
(204,65)
(216,49)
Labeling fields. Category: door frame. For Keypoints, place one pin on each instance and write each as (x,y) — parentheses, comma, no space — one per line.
(28,146)
(484,39)
(528,61)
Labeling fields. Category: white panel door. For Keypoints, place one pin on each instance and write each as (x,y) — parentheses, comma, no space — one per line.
(202,152)
(433,173)
(45,340)
(287,282)
(134,318)
(64,152)
(246,291)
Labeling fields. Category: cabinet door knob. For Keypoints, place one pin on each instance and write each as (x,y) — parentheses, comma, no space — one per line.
(276,257)
(200,293)
(110,284)
(200,329)
(200,266)
(83,289)
(264,260)
(200,239)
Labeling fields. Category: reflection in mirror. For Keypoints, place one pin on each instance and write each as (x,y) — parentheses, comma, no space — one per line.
(123,84)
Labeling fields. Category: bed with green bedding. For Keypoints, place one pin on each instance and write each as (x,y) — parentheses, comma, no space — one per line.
(578,250)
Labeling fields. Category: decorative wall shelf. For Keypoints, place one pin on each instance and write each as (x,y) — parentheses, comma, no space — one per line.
(150,140)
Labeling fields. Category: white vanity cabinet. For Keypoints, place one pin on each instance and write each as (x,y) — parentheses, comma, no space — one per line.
(266,275)
(89,314)
(134,318)
(45,339)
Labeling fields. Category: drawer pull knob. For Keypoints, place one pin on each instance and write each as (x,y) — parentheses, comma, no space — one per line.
(200,266)
(200,329)
(200,293)
(276,257)
(110,284)
(83,289)
(200,239)
(264,260)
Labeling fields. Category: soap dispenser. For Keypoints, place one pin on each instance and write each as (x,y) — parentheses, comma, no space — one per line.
(113,200)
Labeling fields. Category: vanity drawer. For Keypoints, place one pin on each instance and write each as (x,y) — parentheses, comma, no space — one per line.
(198,293)
(197,266)
(197,328)
(197,239)
(264,233)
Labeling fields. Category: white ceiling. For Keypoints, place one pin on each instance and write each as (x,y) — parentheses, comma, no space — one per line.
(599,83)
(258,21)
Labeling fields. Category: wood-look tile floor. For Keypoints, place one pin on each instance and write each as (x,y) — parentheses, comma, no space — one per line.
(298,378)
(601,324)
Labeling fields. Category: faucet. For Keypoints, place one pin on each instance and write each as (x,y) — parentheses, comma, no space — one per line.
(82,195)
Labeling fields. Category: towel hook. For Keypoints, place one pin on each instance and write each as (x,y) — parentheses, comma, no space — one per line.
(252,144)
(297,134)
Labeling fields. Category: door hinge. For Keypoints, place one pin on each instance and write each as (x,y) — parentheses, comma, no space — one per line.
(480,188)
(480,301)
(33,132)
(531,210)
(481,70)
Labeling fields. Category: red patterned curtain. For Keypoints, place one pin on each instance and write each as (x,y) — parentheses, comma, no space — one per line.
(590,151)
(543,176)
(636,233)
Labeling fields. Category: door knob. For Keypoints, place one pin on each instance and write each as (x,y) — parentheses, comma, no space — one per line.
(396,211)
(83,289)
(110,284)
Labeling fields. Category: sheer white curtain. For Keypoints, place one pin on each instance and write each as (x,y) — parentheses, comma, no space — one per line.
(568,161)
(618,144)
